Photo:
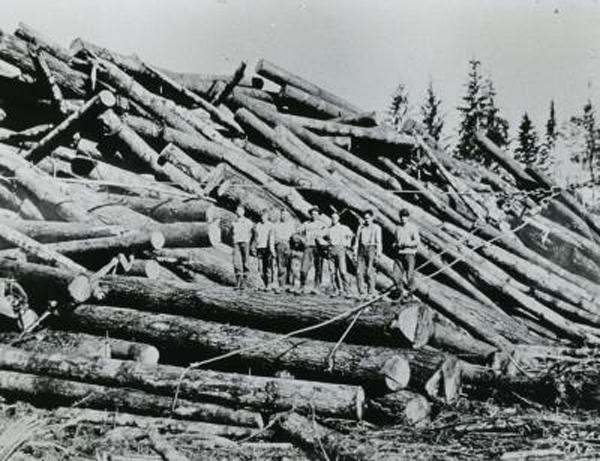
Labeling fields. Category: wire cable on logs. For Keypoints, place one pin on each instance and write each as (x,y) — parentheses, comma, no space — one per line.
(355,310)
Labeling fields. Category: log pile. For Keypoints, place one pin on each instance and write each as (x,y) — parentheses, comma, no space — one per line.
(118,183)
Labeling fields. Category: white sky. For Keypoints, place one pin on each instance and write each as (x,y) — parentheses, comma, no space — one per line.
(535,50)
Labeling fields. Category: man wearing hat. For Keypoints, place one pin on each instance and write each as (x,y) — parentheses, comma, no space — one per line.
(406,243)
(312,231)
(367,249)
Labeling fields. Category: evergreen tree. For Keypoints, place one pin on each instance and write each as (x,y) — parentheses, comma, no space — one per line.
(430,113)
(495,126)
(398,109)
(592,143)
(479,112)
(472,112)
(528,149)
(551,132)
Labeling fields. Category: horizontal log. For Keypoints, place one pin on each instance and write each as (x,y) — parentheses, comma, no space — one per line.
(43,390)
(314,105)
(400,407)
(235,390)
(59,231)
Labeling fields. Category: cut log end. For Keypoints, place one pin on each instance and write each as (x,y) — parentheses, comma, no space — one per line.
(400,407)
(214,234)
(80,289)
(445,384)
(157,240)
(415,324)
(396,372)
(107,98)
(143,353)
(152,269)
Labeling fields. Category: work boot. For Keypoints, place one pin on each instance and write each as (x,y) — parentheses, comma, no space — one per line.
(244,282)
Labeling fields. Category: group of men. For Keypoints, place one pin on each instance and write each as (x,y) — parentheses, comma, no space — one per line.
(277,241)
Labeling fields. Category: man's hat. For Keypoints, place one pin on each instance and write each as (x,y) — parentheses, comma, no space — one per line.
(369,213)
(404,212)
(315,208)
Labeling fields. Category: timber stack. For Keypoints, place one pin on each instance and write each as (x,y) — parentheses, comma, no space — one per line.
(118,186)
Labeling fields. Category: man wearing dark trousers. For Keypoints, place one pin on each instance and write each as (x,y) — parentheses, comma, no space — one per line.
(367,249)
(406,243)
(311,231)
(242,233)
(339,237)
(265,248)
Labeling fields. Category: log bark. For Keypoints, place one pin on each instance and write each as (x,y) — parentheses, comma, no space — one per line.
(377,368)
(314,105)
(235,390)
(400,407)
(23,206)
(283,77)
(31,35)
(39,251)
(74,417)
(44,390)
(92,108)
(235,79)
(164,448)
(147,155)
(171,209)
(59,231)
(175,156)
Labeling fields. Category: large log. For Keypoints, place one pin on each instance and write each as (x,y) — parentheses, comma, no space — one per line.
(178,158)
(283,77)
(141,150)
(94,106)
(213,262)
(59,231)
(376,368)
(400,407)
(15,51)
(31,35)
(235,390)
(23,206)
(46,391)
(314,105)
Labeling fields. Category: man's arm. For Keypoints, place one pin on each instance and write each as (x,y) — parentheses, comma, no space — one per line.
(379,242)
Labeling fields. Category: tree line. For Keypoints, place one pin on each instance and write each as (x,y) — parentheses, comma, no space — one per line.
(478,111)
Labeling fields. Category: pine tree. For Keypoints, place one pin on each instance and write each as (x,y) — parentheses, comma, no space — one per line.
(398,109)
(551,132)
(528,149)
(471,111)
(495,126)
(592,143)
(430,113)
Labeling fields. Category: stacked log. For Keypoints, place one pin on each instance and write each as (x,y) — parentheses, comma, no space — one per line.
(116,216)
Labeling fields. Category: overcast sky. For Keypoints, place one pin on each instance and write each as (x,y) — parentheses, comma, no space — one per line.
(534,50)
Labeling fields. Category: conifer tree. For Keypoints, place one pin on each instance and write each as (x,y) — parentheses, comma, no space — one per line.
(592,143)
(398,108)
(495,126)
(472,112)
(430,113)
(528,149)
(551,131)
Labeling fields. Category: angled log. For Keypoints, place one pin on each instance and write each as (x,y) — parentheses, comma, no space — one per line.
(70,125)
(31,35)
(15,51)
(313,105)
(23,206)
(141,150)
(235,390)
(216,114)
(44,71)
(44,390)
(173,155)
(282,77)
(377,368)
(236,78)
(37,250)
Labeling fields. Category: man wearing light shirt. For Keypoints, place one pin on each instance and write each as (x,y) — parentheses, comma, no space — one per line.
(282,233)
(242,233)
(311,231)
(406,243)
(265,248)
(367,249)
(339,237)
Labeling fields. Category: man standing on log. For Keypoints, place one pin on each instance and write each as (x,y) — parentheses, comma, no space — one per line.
(312,231)
(282,233)
(406,243)
(264,246)
(242,233)
(339,237)
(367,249)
